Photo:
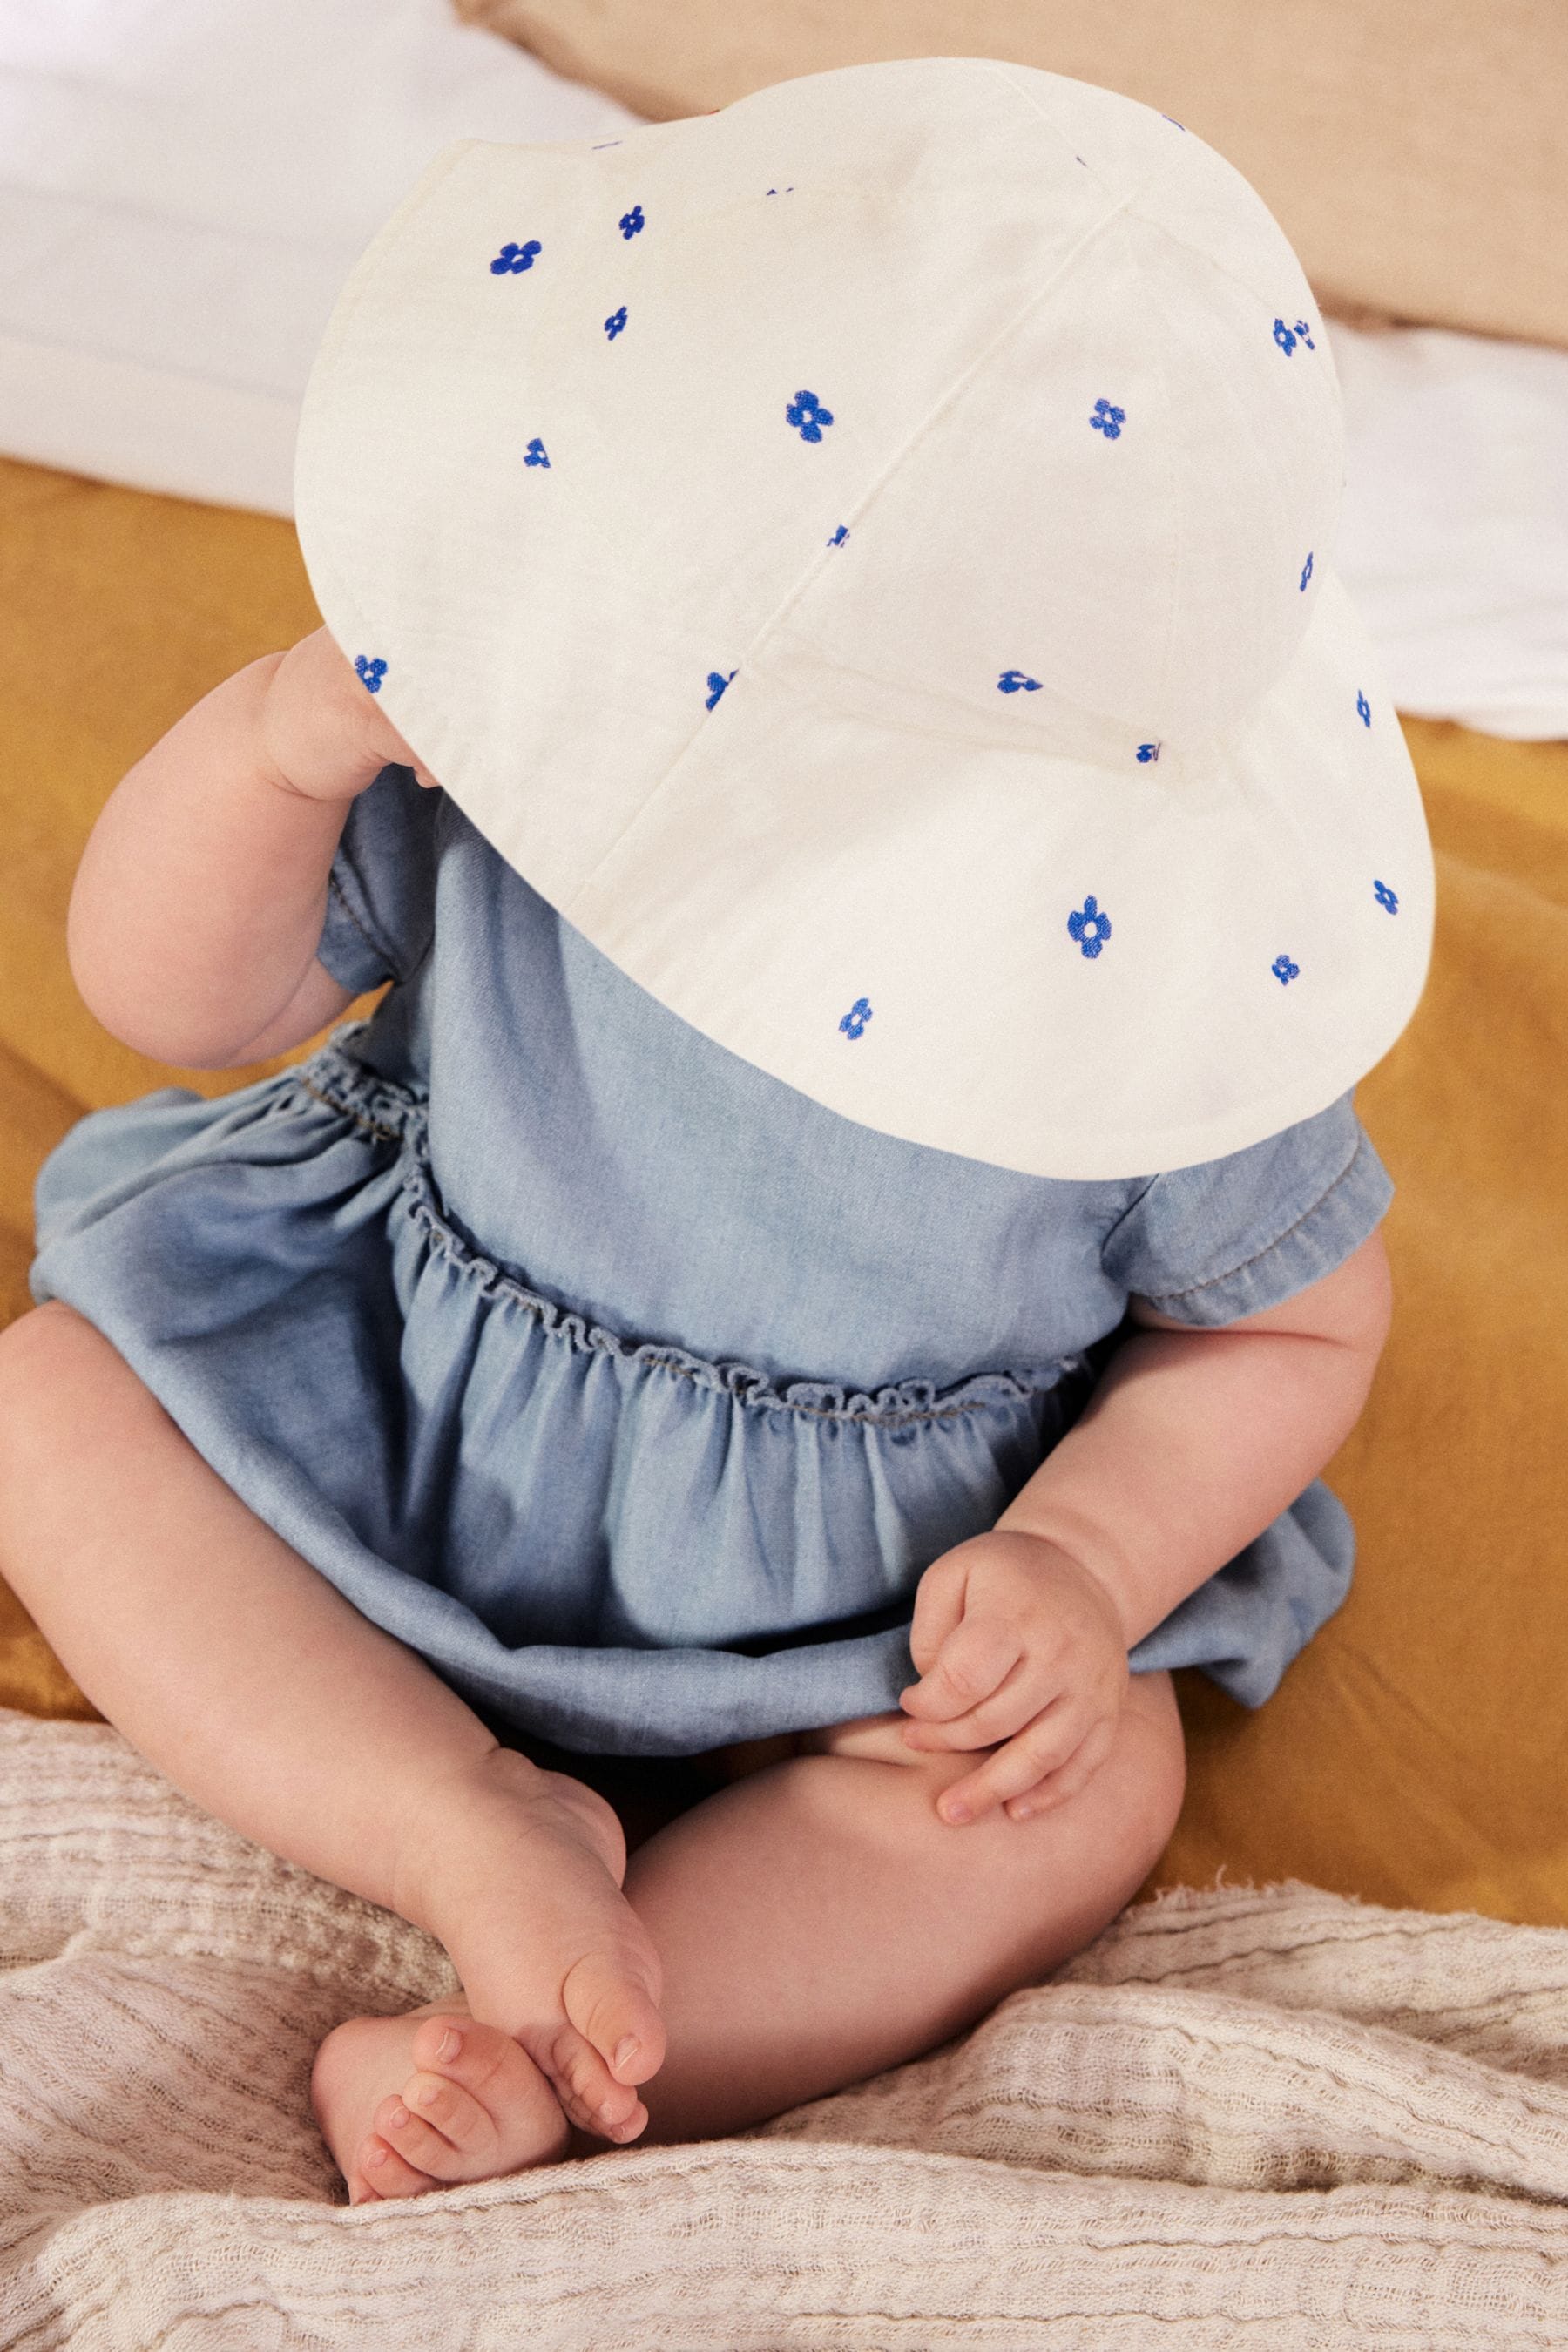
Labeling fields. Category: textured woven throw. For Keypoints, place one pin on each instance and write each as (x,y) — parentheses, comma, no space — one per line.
(1242,2116)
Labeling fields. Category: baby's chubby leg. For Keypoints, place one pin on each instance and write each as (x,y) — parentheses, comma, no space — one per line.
(818,1921)
(249,1679)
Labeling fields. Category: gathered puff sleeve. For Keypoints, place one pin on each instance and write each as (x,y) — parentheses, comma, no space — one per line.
(381,892)
(1231,1237)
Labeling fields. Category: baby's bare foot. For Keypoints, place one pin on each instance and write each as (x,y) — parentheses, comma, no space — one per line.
(519,1873)
(407,2104)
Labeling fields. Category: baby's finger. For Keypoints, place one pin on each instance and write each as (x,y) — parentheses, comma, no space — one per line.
(1045,1746)
(1018,1698)
(939,1608)
(1076,1773)
(976,1657)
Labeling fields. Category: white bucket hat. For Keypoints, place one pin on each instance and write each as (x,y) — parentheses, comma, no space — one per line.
(864,557)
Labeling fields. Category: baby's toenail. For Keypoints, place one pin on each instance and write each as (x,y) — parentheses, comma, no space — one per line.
(375,2156)
(428,2094)
(397,2118)
(626,2050)
(451,2043)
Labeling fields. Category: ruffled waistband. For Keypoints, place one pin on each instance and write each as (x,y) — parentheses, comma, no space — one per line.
(396,1115)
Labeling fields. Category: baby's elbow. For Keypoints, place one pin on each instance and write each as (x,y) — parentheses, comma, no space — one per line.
(1355,1313)
(141,1012)
(1367,1303)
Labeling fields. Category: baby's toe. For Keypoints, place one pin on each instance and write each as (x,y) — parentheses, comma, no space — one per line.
(480,2094)
(605,2000)
(463,2147)
(378,2170)
(587,2089)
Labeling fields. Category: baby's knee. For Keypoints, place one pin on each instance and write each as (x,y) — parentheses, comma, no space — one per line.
(1116,1826)
(1155,1764)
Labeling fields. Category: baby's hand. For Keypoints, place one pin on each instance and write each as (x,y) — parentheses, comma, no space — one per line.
(1016,1643)
(323,731)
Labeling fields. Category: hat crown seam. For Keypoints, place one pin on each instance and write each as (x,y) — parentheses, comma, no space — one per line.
(863,500)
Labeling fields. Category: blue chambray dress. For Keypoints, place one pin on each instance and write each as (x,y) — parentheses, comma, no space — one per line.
(627,1385)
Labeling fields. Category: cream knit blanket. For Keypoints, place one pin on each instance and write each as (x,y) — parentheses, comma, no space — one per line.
(1241,2118)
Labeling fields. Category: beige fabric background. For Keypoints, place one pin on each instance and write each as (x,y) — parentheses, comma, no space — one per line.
(1239,2119)
(1415,152)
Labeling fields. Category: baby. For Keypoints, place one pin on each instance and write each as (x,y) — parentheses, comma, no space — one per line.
(845,1244)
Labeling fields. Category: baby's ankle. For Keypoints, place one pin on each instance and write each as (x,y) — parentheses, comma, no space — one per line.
(436,1838)
(467,1827)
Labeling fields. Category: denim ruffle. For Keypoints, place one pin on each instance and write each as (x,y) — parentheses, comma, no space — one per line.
(606,1540)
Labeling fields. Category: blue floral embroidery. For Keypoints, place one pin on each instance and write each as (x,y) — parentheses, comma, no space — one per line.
(1304,333)
(1363,709)
(854,1022)
(630,223)
(840,536)
(1108,420)
(1284,971)
(534,454)
(1012,681)
(615,323)
(1147,751)
(371,674)
(515,257)
(1089,927)
(807,414)
(1284,337)
(717,682)
(1307,569)
(1386,898)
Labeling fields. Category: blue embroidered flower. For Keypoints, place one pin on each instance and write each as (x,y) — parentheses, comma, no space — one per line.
(1108,420)
(1012,681)
(807,414)
(515,257)
(1089,927)
(1284,337)
(1363,709)
(615,323)
(854,1022)
(717,682)
(1284,971)
(1386,898)
(1307,570)
(1304,332)
(631,222)
(534,454)
(1147,751)
(371,674)
(840,536)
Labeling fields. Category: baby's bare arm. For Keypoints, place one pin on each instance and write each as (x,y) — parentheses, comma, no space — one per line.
(1196,1441)
(1192,1443)
(200,898)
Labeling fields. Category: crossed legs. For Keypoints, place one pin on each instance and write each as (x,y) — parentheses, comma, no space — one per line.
(804,1927)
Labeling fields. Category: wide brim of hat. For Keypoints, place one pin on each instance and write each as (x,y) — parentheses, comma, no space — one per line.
(880,902)
(813,854)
